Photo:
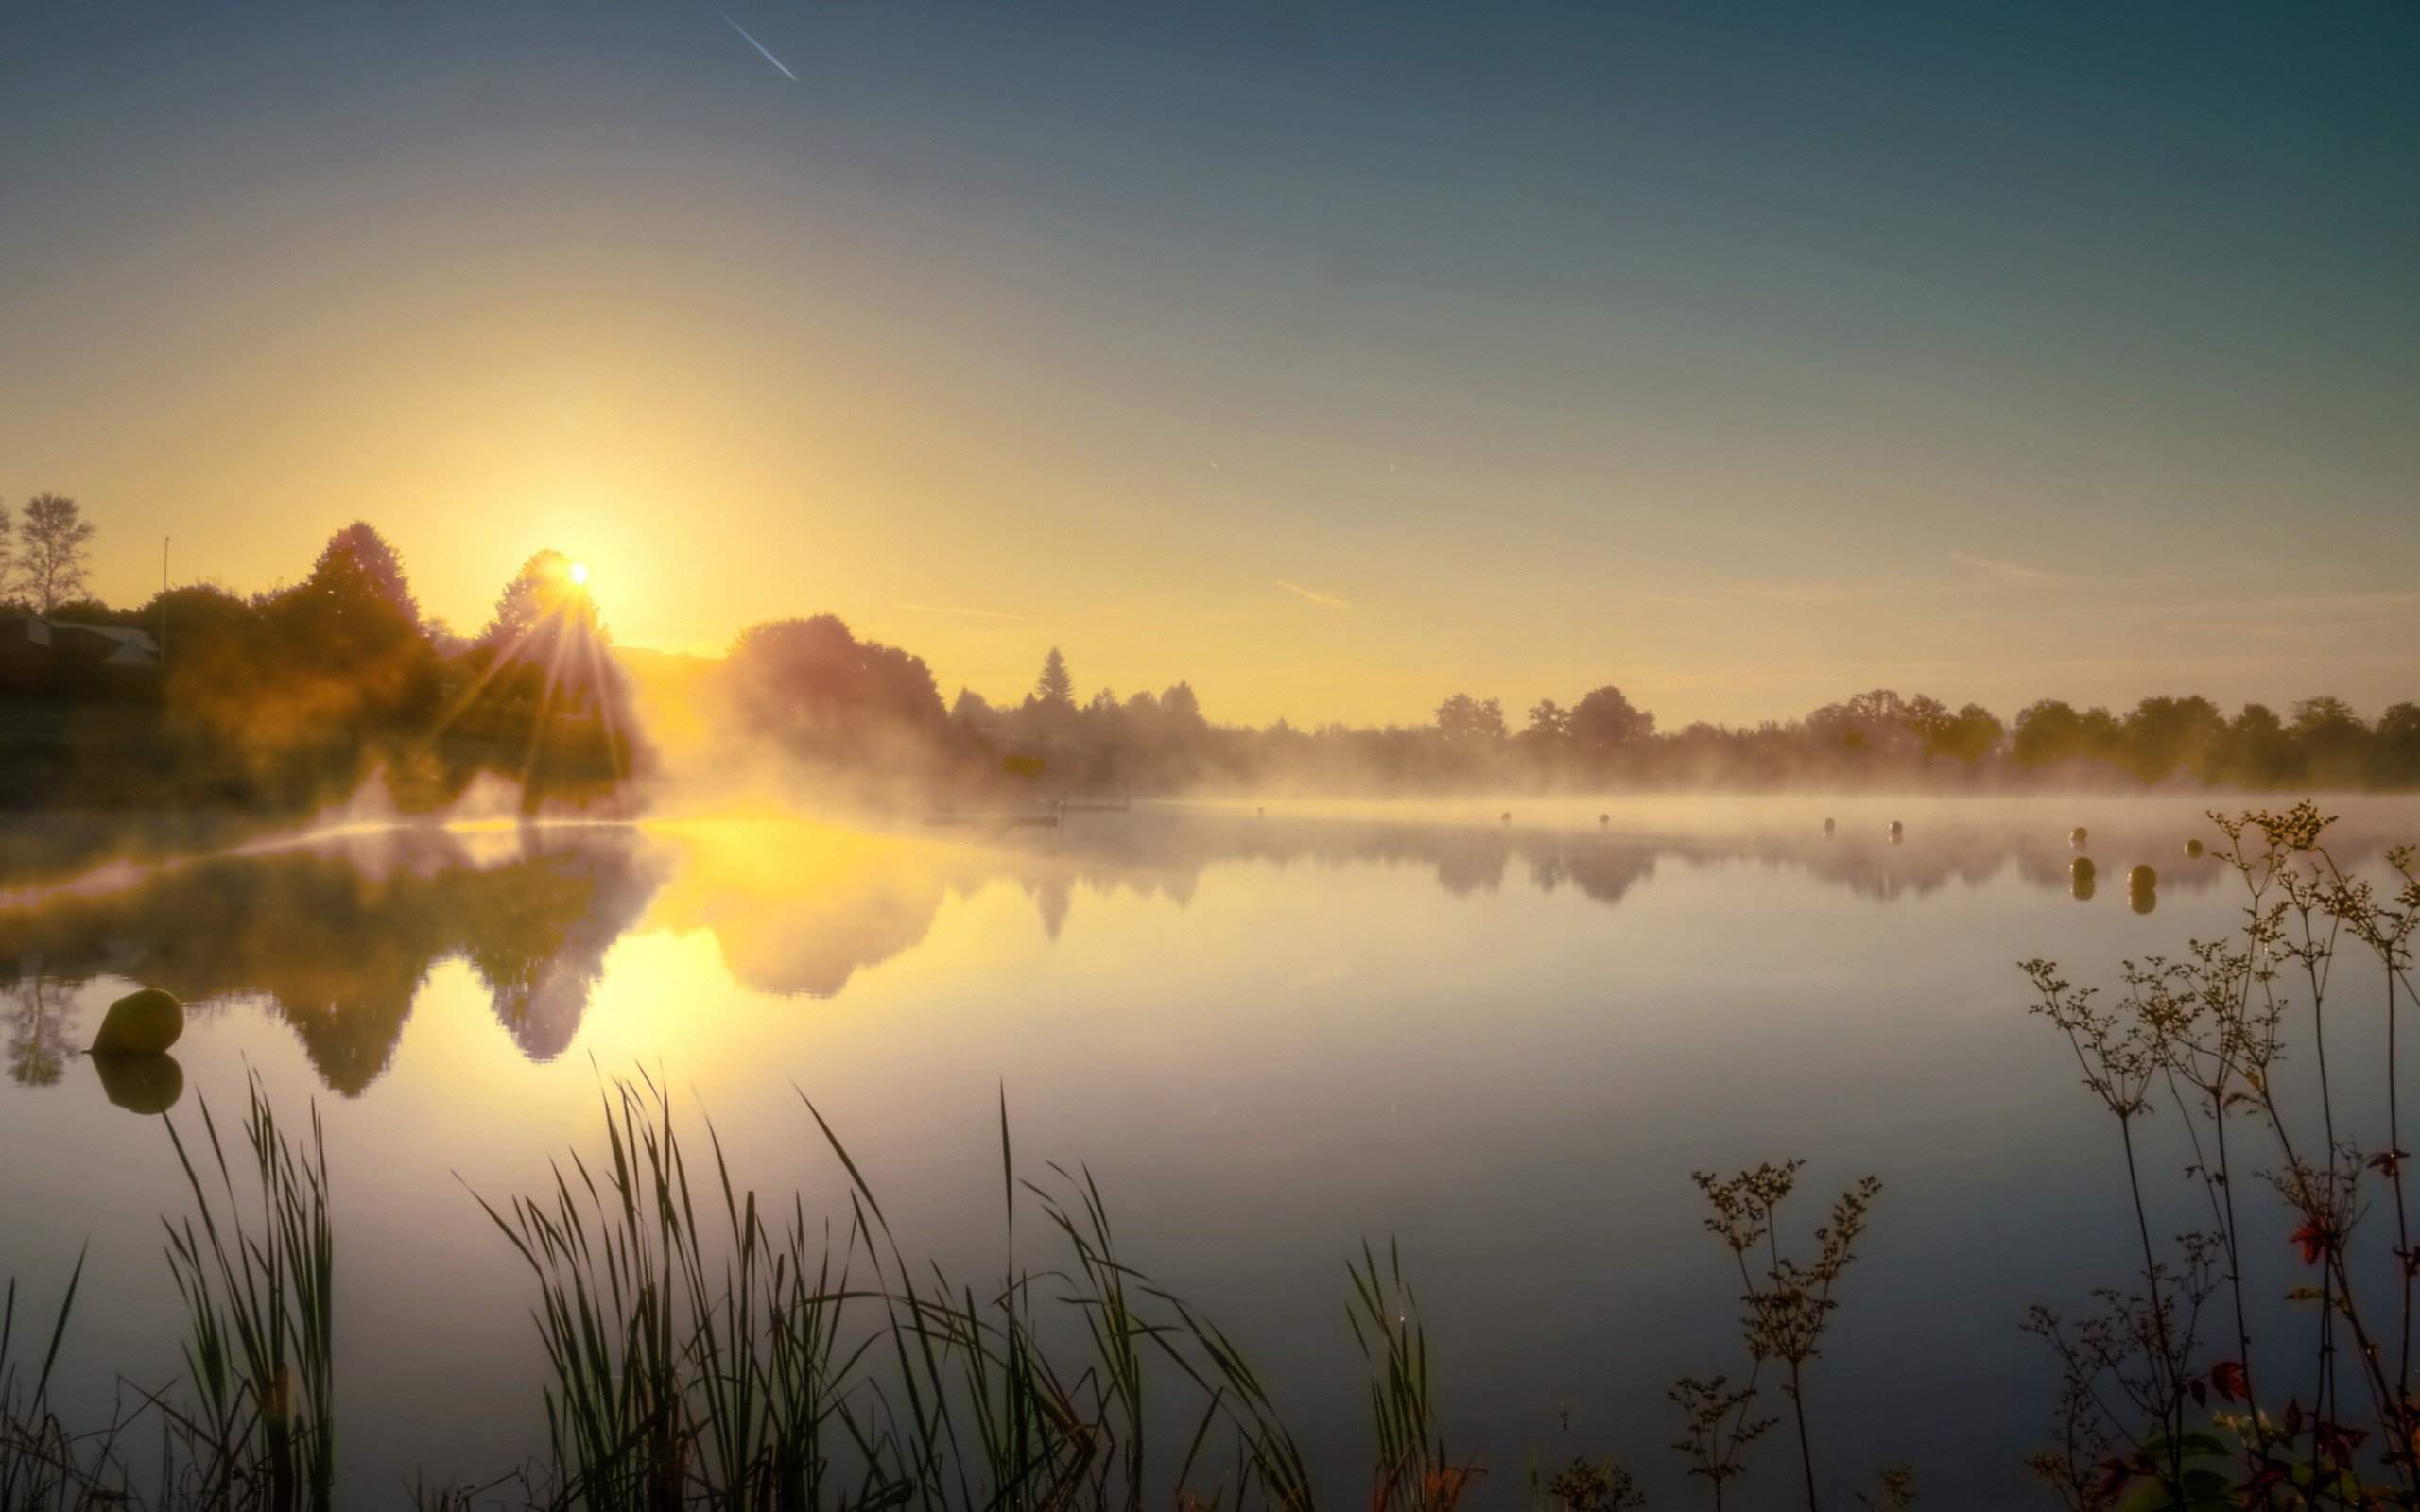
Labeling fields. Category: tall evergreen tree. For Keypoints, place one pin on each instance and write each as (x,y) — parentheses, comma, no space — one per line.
(1055,686)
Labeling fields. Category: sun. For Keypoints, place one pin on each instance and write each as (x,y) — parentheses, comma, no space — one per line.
(579,573)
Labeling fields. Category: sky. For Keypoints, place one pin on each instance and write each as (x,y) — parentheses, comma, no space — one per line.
(1333,357)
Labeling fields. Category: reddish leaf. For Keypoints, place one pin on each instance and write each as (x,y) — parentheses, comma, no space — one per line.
(2114,1474)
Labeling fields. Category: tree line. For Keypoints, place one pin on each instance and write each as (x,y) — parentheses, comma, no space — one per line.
(295,692)
(292,697)
(833,699)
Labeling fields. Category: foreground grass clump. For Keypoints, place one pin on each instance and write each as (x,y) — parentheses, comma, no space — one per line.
(708,1348)
(252,1421)
(745,1360)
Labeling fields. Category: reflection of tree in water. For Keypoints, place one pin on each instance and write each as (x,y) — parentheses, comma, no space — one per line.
(1052,895)
(798,909)
(1605,872)
(1471,863)
(339,941)
(40,1018)
(537,934)
(1164,850)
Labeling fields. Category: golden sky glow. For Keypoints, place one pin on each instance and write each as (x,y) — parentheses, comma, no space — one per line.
(1185,349)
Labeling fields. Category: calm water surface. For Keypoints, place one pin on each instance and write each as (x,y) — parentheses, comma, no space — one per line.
(1270,1036)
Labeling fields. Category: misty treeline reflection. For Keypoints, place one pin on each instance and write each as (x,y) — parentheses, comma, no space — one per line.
(338,935)
(336,941)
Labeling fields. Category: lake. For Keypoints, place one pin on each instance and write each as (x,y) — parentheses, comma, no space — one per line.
(1271,1035)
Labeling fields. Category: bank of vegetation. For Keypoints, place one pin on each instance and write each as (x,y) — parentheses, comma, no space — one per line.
(288,701)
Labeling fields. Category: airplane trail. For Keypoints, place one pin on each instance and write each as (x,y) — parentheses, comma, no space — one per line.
(760,47)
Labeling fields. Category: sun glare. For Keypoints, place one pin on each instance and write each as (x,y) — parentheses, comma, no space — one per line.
(579,573)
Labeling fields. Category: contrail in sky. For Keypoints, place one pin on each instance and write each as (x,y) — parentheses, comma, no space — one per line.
(1322,600)
(760,47)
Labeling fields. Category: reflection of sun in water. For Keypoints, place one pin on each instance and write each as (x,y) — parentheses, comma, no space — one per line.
(579,573)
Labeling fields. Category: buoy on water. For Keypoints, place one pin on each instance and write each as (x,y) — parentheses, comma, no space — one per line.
(130,1051)
(1897,830)
(2078,835)
(1830,825)
(2192,850)
(2084,879)
(1508,815)
(1603,819)
(2142,890)
(143,1022)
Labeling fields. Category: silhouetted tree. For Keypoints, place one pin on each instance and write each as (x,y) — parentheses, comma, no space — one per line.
(1969,735)
(357,566)
(2163,734)
(1549,723)
(1055,686)
(542,681)
(1463,719)
(54,551)
(2258,753)
(823,692)
(196,615)
(969,710)
(2395,746)
(540,600)
(1604,719)
(2050,732)
(2332,740)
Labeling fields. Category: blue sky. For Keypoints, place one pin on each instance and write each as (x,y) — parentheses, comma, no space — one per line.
(1333,355)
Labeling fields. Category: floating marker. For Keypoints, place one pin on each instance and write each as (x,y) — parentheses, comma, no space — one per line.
(2192,850)
(143,1022)
(2142,879)
(2078,835)
(1830,825)
(1603,819)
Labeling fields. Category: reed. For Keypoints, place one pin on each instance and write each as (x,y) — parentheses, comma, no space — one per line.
(1415,1474)
(708,1348)
(258,1284)
(722,1359)
(38,1458)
